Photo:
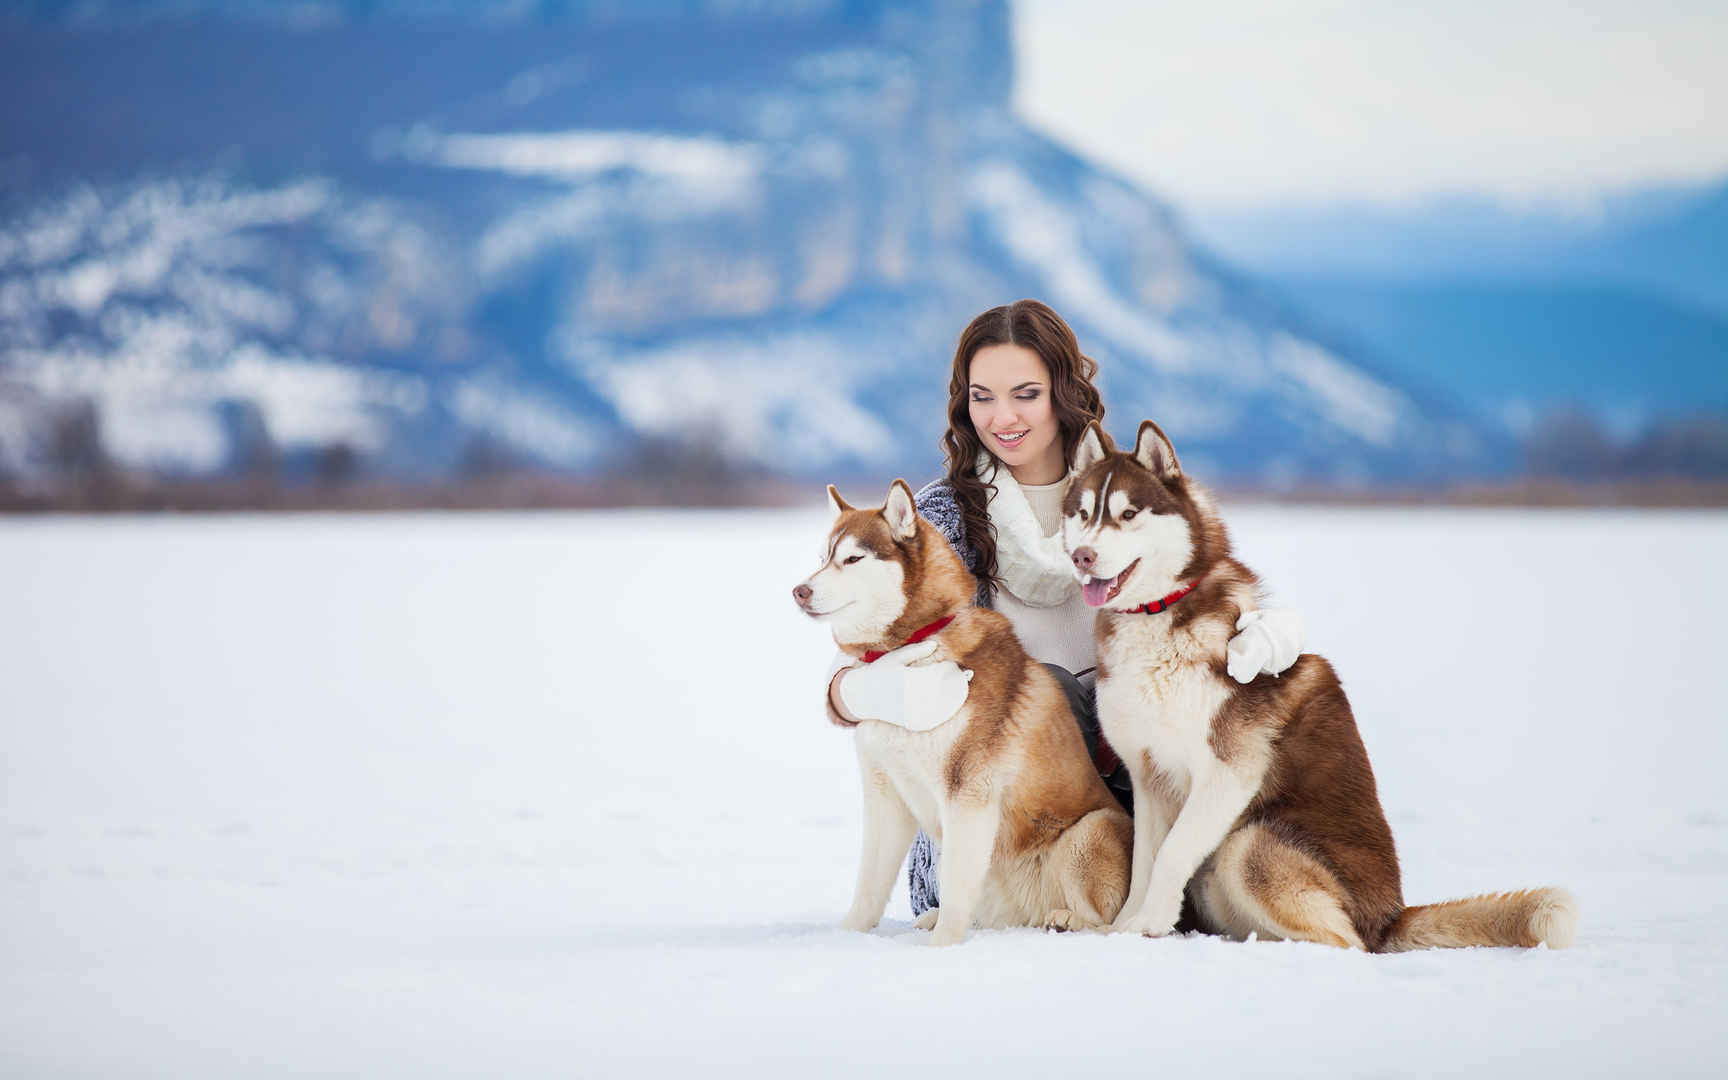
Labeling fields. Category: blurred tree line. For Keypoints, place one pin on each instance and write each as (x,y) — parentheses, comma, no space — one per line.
(1685,457)
(1573,444)
(68,466)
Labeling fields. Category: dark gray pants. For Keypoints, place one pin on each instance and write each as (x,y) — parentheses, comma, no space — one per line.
(921,873)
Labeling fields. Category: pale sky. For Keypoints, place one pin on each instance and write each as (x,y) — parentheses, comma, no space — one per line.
(1226,103)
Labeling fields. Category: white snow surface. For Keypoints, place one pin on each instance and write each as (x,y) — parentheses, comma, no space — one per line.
(553,795)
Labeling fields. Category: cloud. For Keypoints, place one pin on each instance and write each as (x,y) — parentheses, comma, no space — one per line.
(1235,102)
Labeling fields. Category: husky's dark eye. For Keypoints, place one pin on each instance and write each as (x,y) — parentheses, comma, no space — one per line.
(850,559)
(1084,517)
(1128,515)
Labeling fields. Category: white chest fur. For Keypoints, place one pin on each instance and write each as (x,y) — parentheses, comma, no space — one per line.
(1161,693)
(915,762)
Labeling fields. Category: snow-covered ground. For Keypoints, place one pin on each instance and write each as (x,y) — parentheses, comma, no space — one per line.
(531,795)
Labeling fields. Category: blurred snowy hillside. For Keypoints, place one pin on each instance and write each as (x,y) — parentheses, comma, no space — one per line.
(310,244)
(1596,332)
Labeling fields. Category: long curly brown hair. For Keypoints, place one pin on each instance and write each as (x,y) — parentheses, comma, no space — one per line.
(1072,396)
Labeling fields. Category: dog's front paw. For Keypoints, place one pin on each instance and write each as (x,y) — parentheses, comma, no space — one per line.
(927,921)
(1059,920)
(1143,926)
(858,924)
(1154,919)
(946,934)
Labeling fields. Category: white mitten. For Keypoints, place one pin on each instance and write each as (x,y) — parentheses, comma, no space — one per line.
(1266,643)
(896,689)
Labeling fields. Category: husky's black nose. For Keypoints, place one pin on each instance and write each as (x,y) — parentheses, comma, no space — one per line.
(1084,558)
(802,594)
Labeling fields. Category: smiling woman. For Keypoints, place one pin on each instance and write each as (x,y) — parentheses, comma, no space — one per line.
(1010,405)
(1017,368)
(1020,396)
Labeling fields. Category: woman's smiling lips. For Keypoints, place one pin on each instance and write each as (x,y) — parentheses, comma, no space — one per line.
(1010,438)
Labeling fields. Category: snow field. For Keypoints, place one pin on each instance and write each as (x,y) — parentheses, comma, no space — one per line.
(552,794)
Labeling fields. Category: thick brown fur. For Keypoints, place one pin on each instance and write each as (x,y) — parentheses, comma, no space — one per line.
(1005,680)
(1014,745)
(1310,855)
(1319,794)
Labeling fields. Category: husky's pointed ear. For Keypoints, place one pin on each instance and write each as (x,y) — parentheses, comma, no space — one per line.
(1152,449)
(835,502)
(1090,450)
(901,511)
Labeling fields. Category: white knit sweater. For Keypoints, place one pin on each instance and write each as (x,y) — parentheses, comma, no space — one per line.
(1060,634)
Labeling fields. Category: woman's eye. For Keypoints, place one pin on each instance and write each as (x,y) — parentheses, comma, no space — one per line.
(1128,515)
(980,400)
(850,559)
(1033,396)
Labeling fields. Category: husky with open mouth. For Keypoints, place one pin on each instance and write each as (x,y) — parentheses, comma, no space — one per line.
(1030,835)
(1257,799)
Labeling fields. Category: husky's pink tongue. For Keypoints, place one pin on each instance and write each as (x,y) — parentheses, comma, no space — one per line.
(1097,591)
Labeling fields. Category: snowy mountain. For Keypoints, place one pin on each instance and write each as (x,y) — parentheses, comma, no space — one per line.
(551,235)
(1618,306)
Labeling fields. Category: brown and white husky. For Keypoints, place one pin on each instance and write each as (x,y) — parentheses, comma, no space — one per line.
(1256,799)
(1029,834)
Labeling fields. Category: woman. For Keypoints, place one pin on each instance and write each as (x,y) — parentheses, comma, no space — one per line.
(1019,397)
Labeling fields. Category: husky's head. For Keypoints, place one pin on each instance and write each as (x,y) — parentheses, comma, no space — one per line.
(1135,526)
(885,573)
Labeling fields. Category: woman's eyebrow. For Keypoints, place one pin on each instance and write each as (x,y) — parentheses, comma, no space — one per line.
(1022,386)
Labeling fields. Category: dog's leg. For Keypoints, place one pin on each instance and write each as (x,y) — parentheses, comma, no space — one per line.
(1279,891)
(1214,802)
(968,842)
(1151,825)
(888,832)
(1092,867)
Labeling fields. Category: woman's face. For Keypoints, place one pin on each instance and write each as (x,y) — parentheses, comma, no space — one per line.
(1010,410)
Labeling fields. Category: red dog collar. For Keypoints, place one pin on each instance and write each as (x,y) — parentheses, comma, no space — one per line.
(919,635)
(1160,605)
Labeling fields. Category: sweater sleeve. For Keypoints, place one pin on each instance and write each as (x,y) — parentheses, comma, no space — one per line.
(937,504)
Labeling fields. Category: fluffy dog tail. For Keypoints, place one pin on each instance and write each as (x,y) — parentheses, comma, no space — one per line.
(1526,918)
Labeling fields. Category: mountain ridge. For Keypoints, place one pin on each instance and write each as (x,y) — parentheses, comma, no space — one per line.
(578,246)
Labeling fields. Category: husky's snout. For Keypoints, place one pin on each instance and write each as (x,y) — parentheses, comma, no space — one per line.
(802,595)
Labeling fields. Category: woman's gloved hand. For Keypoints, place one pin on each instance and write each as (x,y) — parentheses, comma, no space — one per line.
(900,689)
(1266,643)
